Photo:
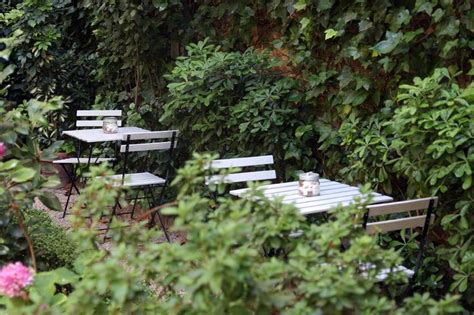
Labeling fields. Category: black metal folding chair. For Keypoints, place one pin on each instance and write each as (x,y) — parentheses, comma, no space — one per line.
(412,208)
(144,181)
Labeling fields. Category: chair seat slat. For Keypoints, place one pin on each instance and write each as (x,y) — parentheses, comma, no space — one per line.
(135,179)
(74,160)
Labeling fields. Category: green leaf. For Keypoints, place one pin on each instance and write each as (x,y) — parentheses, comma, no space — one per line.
(9,137)
(64,276)
(467,182)
(301,130)
(329,33)
(300,5)
(5,166)
(50,200)
(324,5)
(23,174)
(388,45)
(364,25)
(304,23)
(160,4)
(6,72)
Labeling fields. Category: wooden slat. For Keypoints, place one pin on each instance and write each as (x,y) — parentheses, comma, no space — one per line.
(135,179)
(242,177)
(294,187)
(242,162)
(93,123)
(272,187)
(139,147)
(163,134)
(74,160)
(397,224)
(97,113)
(309,208)
(323,192)
(288,191)
(323,181)
(402,206)
(326,201)
(323,199)
(292,195)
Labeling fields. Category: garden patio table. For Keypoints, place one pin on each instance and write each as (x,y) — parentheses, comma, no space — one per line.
(90,137)
(332,194)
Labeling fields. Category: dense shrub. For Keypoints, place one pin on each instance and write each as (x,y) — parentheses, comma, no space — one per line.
(234,104)
(424,147)
(54,248)
(222,268)
(20,176)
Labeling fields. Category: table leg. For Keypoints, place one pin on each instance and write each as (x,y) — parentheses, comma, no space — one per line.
(74,176)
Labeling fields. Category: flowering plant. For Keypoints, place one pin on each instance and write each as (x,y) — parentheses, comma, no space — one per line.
(3,149)
(14,278)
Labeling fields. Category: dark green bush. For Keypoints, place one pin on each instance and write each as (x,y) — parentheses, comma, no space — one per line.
(234,103)
(222,268)
(53,246)
(424,146)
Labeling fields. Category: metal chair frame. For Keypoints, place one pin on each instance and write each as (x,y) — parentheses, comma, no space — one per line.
(424,221)
(130,147)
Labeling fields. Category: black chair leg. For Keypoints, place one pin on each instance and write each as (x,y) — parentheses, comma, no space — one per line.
(158,212)
(111,218)
(134,205)
(67,200)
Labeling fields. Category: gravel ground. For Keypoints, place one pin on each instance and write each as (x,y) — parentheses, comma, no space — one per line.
(178,237)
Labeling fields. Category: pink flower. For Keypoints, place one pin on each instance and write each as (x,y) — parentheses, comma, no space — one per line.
(14,278)
(3,149)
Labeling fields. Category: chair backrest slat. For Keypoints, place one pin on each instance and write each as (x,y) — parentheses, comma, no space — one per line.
(397,224)
(401,206)
(99,113)
(242,177)
(96,114)
(160,145)
(93,123)
(250,175)
(141,147)
(242,162)
(150,135)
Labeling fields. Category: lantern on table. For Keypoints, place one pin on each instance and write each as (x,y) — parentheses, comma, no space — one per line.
(110,125)
(308,184)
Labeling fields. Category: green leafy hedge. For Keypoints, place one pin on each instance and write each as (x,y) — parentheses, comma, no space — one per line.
(421,143)
(232,103)
(424,146)
(53,246)
(223,268)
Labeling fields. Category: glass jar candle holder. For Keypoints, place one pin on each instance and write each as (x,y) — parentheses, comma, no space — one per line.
(308,184)
(110,125)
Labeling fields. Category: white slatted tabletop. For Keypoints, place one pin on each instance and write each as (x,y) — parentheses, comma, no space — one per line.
(97,135)
(331,195)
